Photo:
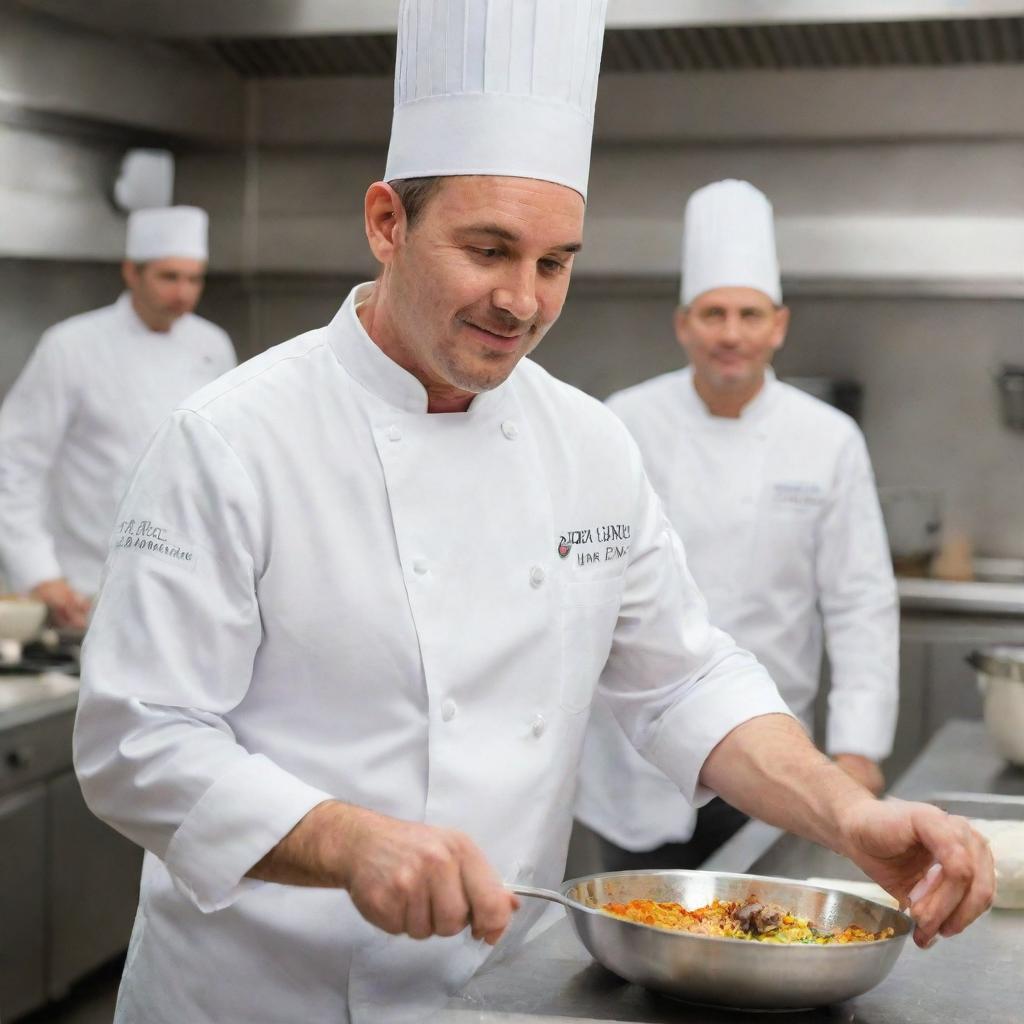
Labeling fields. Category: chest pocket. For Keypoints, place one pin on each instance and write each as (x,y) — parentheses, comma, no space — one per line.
(589,611)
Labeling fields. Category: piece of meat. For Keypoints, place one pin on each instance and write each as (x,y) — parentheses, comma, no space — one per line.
(756,918)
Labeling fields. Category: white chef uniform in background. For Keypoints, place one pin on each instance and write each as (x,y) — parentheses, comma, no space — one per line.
(84,408)
(317,589)
(780,519)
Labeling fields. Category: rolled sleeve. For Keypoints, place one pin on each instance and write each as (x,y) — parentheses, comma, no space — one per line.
(704,714)
(245,813)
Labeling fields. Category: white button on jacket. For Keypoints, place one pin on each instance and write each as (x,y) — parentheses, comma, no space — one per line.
(271,650)
(75,423)
(783,533)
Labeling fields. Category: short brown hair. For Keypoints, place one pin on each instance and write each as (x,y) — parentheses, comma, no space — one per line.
(415,193)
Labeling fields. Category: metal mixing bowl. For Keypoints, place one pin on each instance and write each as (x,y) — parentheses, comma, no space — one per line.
(731,972)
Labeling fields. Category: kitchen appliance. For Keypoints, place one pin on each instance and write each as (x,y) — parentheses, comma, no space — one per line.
(913,522)
(730,972)
(846,395)
(1001,681)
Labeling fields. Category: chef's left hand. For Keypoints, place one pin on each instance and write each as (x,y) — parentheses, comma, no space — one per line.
(897,843)
(863,770)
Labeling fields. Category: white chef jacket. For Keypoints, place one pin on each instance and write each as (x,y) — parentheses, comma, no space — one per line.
(315,590)
(73,426)
(783,532)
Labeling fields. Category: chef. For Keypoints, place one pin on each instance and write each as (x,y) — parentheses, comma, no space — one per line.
(773,496)
(361,591)
(88,401)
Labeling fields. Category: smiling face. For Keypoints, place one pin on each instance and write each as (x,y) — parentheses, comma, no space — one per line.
(731,335)
(474,284)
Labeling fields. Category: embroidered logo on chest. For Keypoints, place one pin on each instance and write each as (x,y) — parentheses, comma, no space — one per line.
(798,494)
(596,544)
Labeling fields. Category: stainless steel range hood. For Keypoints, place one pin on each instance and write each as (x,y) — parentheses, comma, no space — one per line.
(288,18)
(313,38)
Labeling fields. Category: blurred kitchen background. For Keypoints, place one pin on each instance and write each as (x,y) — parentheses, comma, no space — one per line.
(889,136)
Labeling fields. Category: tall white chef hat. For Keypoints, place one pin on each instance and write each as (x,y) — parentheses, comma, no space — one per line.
(729,241)
(503,87)
(163,232)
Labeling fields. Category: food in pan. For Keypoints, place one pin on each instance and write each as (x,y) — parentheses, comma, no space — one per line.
(732,919)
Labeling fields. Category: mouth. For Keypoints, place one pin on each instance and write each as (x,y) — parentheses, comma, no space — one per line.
(501,341)
(729,359)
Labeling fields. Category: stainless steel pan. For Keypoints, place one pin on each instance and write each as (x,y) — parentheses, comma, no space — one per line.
(729,972)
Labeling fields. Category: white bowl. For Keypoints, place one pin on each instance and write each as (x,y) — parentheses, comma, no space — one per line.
(21,618)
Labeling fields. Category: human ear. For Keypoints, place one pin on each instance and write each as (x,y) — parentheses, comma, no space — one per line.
(385,222)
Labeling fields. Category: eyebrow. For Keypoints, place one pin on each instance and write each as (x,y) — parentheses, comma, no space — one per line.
(497,231)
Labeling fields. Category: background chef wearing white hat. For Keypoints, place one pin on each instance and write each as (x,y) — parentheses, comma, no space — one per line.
(342,697)
(87,402)
(772,493)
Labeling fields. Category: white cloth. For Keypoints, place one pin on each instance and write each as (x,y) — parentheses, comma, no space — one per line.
(318,589)
(780,520)
(165,232)
(74,424)
(729,241)
(504,87)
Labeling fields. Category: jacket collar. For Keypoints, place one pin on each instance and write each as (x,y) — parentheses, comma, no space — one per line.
(754,411)
(377,372)
(135,325)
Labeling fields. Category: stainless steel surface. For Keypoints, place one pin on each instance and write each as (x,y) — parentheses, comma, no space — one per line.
(993,806)
(970,979)
(35,749)
(970,597)
(68,886)
(728,972)
(989,569)
(1001,682)
(543,894)
(666,48)
(22,901)
(92,887)
(285,18)
(20,691)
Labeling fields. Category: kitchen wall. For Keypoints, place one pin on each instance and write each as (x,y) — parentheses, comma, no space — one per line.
(898,194)
(926,364)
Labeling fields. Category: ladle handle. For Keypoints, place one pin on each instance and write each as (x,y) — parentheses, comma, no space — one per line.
(541,894)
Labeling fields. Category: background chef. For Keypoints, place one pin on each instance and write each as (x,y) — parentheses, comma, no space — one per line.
(88,401)
(772,493)
(345,698)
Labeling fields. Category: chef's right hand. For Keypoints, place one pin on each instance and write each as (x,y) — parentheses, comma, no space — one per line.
(68,608)
(421,880)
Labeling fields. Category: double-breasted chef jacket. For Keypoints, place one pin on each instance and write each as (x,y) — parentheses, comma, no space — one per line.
(317,590)
(780,519)
(74,424)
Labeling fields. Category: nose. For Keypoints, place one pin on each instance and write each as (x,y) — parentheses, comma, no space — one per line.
(517,294)
(732,332)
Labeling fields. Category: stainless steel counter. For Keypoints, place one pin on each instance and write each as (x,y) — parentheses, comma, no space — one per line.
(29,697)
(973,978)
(974,598)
